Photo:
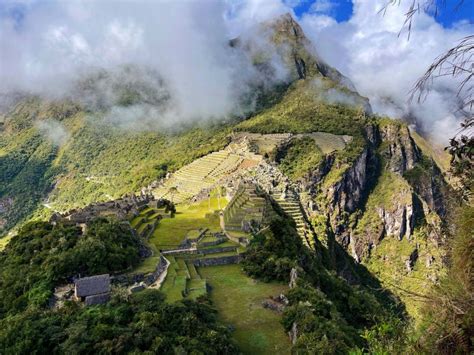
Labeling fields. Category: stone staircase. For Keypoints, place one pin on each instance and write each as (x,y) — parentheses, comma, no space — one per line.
(290,204)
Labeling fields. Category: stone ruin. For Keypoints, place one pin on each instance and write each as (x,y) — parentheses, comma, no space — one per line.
(93,290)
(122,209)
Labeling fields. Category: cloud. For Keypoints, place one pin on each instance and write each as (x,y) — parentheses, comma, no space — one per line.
(323,7)
(186,44)
(54,131)
(190,68)
(384,66)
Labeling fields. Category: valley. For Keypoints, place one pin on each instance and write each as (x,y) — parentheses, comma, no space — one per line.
(304,223)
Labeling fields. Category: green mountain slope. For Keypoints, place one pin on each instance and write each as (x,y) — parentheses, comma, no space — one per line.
(379,203)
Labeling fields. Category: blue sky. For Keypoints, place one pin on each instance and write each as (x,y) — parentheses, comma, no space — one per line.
(341,10)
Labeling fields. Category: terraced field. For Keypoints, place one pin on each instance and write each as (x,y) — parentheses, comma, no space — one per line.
(201,174)
(183,279)
(172,231)
(328,142)
(148,216)
(237,297)
(245,206)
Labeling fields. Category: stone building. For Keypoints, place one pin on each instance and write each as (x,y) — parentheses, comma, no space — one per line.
(93,290)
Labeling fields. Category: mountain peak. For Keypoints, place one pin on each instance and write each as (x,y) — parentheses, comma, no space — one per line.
(286,28)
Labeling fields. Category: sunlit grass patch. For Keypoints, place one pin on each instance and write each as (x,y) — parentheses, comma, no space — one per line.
(170,232)
(238,298)
(4,241)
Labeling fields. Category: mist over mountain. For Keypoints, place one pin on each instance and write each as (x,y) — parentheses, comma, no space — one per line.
(223,178)
(55,45)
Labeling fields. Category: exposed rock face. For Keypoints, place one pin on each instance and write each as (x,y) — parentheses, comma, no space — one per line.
(410,262)
(346,194)
(359,209)
(399,222)
(293,333)
(293,277)
(401,153)
(430,185)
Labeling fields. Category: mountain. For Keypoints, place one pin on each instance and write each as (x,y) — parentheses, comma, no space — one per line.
(373,197)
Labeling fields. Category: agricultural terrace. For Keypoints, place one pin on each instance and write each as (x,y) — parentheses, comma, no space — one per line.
(170,232)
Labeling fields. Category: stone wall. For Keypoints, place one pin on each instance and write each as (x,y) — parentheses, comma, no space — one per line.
(121,208)
(148,279)
(97,299)
(214,242)
(199,251)
(223,260)
(216,250)
(149,229)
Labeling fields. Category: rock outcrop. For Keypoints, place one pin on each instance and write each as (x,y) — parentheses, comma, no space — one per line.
(398,150)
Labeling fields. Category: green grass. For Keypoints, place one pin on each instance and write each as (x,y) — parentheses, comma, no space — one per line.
(175,284)
(192,271)
(193,234)
(196,288)
(387,262)
(178,290)
(136,221)
(302,111)
(217,255)
(238,299)
(222,245)
(208,238)
(4,241)
(194,294)
(302,156)
(148,265)
(170,232)
(143,226)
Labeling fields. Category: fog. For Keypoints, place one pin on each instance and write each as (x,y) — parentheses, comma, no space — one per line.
(179,54)
(176,59)
(385,66)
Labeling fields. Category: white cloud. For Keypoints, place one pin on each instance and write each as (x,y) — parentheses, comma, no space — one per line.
(323,6)
(186,42)
(384,66)
(54,131)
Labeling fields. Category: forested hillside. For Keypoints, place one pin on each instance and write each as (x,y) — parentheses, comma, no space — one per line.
(369,244)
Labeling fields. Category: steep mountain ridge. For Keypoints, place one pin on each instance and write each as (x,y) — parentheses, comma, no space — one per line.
(378,194)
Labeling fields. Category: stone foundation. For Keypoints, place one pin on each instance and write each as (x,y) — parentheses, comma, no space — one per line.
(223,260)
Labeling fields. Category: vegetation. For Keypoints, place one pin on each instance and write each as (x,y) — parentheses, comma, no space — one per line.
(143,323)
(43,255)
(98,162)
(330,315)
(301,111)
(448,320)
(172,231)
(238,300)
(273,252)
(302,156)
